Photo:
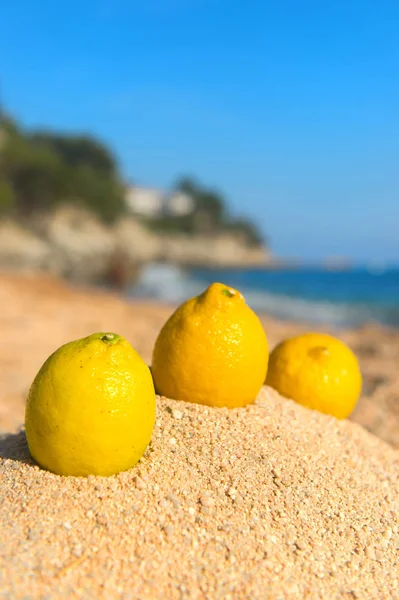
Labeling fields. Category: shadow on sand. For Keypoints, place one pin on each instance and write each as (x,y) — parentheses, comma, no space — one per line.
(14,446)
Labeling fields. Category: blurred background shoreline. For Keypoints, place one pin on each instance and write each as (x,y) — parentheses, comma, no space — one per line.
(65,209)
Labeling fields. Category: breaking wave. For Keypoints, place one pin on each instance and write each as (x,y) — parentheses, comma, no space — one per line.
(174,285)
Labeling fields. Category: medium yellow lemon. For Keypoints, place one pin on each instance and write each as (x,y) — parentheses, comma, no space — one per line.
(91,408)
(213,350)
(317,371)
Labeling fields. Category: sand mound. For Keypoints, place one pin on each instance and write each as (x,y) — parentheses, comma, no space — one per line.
(272,501)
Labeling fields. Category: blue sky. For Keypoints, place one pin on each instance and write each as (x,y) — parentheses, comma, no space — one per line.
(290,107)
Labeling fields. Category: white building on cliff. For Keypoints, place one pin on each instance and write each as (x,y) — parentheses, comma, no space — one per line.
(153,203)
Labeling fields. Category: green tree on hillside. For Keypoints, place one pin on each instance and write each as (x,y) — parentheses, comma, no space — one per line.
(77,151)
(209,215)
(209,205)
(40,170)
(7,198)
(98,191)
(37,175)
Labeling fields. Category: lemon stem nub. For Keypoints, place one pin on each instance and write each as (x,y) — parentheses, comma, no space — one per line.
(110,338)
(228,293)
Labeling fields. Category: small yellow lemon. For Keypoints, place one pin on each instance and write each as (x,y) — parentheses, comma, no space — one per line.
(91,408)
(213,350)
(317,371)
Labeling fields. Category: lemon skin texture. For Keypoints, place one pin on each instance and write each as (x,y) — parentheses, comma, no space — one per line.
(213,350)
(317,371)
(91,408)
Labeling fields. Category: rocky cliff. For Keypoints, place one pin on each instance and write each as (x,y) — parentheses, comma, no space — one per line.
(73,243)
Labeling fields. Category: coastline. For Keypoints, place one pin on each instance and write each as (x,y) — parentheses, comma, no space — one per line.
(97,252)
(344,299)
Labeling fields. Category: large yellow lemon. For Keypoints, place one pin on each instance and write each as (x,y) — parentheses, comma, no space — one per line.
(213,350)
(91,408)
(317,371)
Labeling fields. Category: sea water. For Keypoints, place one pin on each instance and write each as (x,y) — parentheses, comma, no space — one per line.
(341,298)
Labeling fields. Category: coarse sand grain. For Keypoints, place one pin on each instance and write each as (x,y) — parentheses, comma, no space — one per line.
(271,501)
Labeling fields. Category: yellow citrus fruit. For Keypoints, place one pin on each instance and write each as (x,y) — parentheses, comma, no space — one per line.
(317,371)
(91,408)
(213,350)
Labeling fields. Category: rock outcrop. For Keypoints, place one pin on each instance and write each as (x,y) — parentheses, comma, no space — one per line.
(20,248)
(74,243)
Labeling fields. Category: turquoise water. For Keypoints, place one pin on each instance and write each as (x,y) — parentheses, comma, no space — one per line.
(312,295)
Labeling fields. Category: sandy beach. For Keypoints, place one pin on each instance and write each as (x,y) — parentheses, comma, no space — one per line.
(268,502)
